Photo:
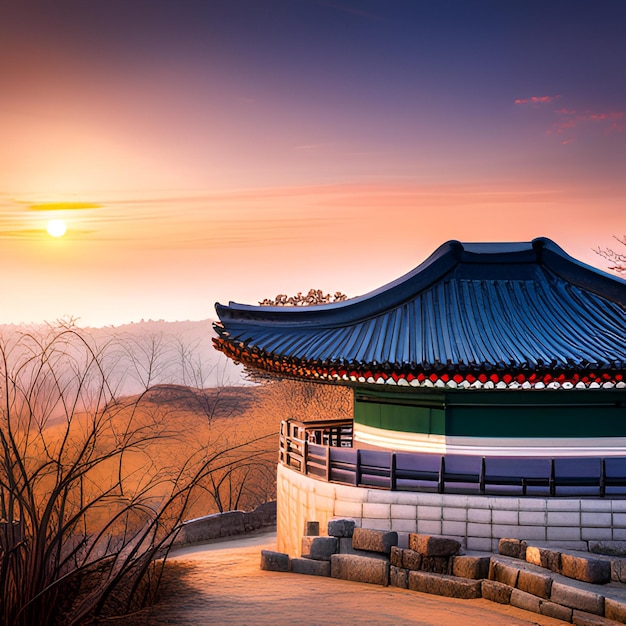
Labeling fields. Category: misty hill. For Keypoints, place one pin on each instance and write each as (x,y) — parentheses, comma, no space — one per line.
(158,352)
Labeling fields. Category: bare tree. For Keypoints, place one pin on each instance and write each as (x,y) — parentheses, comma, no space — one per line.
(93,487)
(615,257)
(314,296)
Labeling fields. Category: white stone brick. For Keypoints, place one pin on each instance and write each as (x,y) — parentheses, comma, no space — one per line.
(563,533)
(596,534)
(454,514)
(430,499)
(376,523)
(532,518)
(619,520)
(504,517)
(404,497)
(508,530)
(379,496)
(481,516)
(558,504)
(563,518)
(591,520)
(480,544)
(532,504)
(456,501)
(349,494)
(376,511)
(428,512)
(456,529)
(619,534)
(428,527)
(504,504)
(478,530)
(404,525)
(478,502)
(403,511)
(618,506)
(348,509)
(533,533)
(595,505)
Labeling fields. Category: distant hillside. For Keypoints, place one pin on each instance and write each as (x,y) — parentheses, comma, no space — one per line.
(173,352)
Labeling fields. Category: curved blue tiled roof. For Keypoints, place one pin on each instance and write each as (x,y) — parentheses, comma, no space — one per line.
(486,307)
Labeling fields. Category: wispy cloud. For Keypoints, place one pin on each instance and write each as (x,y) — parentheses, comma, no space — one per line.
(537,99)
(571,121)
(64,206)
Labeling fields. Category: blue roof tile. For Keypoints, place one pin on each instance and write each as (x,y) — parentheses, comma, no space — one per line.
(468,307)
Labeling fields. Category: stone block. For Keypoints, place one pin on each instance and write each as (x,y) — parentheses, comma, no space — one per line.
(429,545)
(398,577)
(615,610)
(442,585)
(515,548)
(411,559)
(557,611)
(611,548)
(580,618)
(526,601)
(468,566)
(587,569)
(374,540)
(535,583)
(319,548)
(495,591)
(312,529)
(274,561)
(341,527)
(396,556)
(575,598)
(503,573)
(544,557)
(436,564)
(310,567)
(361,569)
(618,570)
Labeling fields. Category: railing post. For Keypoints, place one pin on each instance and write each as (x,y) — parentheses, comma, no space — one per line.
(305,457)
(392,477)
(357,476)
(327,464)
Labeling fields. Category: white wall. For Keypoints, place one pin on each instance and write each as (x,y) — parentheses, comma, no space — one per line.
(479,521)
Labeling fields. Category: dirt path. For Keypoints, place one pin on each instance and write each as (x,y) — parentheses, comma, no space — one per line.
(222,583)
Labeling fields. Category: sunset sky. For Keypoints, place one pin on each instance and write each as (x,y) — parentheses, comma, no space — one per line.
(216,150)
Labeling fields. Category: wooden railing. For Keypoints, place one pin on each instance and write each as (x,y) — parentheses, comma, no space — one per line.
(323,450)
(297,438)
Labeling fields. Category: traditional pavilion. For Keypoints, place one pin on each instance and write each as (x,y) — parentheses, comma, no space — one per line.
(511,349)
(492,370)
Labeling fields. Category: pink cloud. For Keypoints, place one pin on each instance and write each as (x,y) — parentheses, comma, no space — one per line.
(537,100)
(608,122)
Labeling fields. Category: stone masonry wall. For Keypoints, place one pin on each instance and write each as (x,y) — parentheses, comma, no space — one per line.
(478,521)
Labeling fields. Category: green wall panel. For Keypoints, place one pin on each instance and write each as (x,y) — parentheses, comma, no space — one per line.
(587,413)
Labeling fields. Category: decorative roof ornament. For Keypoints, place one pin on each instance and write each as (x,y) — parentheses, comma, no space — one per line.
(473,315)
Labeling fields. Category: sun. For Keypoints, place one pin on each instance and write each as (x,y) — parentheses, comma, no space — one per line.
(56,228)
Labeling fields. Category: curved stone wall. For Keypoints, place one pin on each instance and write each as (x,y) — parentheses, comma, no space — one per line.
(478,521)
